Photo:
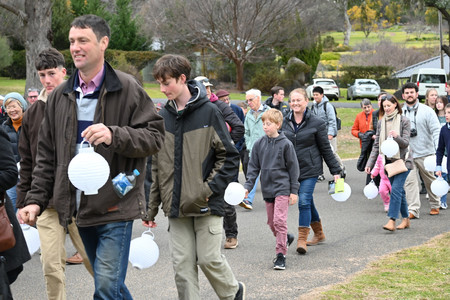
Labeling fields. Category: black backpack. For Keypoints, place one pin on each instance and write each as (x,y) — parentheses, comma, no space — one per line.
(338,121)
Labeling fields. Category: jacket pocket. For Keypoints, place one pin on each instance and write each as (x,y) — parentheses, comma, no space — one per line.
(194,203)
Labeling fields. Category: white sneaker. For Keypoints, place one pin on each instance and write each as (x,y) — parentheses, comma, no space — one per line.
(444,205)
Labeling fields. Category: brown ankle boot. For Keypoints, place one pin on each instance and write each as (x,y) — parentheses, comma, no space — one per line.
(405,224)
(302,237)
(319,236)
(390,225)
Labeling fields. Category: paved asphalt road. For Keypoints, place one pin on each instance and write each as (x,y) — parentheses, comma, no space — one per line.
(354,238)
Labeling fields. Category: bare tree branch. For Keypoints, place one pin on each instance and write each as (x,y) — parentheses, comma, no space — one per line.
(13,9)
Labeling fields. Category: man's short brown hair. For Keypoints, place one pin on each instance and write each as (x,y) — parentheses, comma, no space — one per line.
(49,59)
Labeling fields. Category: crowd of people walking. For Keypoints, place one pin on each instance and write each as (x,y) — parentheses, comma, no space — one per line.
(196,142)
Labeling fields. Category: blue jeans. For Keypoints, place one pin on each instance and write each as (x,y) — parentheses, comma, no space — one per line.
(12,195)
(108,247)
(398,199)
(306,207)
(444,198)
(252,193)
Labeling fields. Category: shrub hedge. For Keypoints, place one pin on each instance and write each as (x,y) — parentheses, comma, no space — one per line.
(136,59)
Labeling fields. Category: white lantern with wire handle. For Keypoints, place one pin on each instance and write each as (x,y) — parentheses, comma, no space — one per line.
(370,190)
(439,187)
(144,252)
(88,171)
(234,193)
(341,197)
(31,236)
(389,147)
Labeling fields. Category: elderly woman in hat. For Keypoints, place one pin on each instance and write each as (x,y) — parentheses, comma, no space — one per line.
(14,105)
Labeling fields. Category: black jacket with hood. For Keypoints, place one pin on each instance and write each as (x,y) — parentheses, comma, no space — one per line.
(197,161)
(311,145)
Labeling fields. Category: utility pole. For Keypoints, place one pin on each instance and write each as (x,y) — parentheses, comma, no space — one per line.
(440,39)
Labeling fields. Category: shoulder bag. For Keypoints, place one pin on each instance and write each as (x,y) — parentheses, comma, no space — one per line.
(396,167)
(7,239)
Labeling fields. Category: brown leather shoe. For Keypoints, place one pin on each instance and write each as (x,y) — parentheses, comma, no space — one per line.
(434,211)
(76,259)
(390,225)
(405,224)
(411,216)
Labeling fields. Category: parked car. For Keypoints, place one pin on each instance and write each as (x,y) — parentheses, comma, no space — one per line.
(429,78)
(363,88)
(330,88)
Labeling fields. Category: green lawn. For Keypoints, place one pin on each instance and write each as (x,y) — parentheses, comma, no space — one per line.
(396,35)
(421,272)
(11,85)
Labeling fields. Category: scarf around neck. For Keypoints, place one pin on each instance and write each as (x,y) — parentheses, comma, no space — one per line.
(390,122)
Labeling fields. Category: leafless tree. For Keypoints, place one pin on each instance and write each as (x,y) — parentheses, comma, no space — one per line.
(342,6)
(36,17)
(234,29)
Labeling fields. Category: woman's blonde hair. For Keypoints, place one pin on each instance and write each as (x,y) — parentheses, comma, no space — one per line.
(298,91)
(427,93)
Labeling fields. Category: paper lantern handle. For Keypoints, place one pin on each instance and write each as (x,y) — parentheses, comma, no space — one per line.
(84,140)
(149,232)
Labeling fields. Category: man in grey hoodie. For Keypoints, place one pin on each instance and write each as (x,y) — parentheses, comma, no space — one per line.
(323,109)
(424,140)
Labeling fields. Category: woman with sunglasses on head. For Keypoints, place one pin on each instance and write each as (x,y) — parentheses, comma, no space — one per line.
(393,124)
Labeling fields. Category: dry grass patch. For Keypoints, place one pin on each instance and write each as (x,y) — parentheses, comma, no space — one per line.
(421,272)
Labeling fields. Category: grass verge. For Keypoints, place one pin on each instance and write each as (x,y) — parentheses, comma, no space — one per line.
(421,272)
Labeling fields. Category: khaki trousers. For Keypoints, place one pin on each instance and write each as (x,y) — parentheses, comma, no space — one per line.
(196,241)
(53,252)
(412,187)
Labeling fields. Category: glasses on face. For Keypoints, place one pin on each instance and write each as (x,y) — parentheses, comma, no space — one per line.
(33,97)
(12,106)
(251,100)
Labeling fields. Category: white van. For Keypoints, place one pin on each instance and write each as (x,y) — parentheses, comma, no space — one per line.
(428,78)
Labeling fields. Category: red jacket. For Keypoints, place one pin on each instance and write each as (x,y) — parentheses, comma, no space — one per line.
(362,123)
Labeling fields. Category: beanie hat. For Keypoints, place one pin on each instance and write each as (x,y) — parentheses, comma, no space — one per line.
(18,97)
(222,93)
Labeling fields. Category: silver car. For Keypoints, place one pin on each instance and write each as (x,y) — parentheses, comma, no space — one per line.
(363,88)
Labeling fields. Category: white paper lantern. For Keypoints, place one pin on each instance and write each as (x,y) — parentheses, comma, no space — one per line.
(389,147)
(234,193)
(370,190)
(88,171)
(430,163)
(144,252)
(341,197)
(439,187)
(31,235)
